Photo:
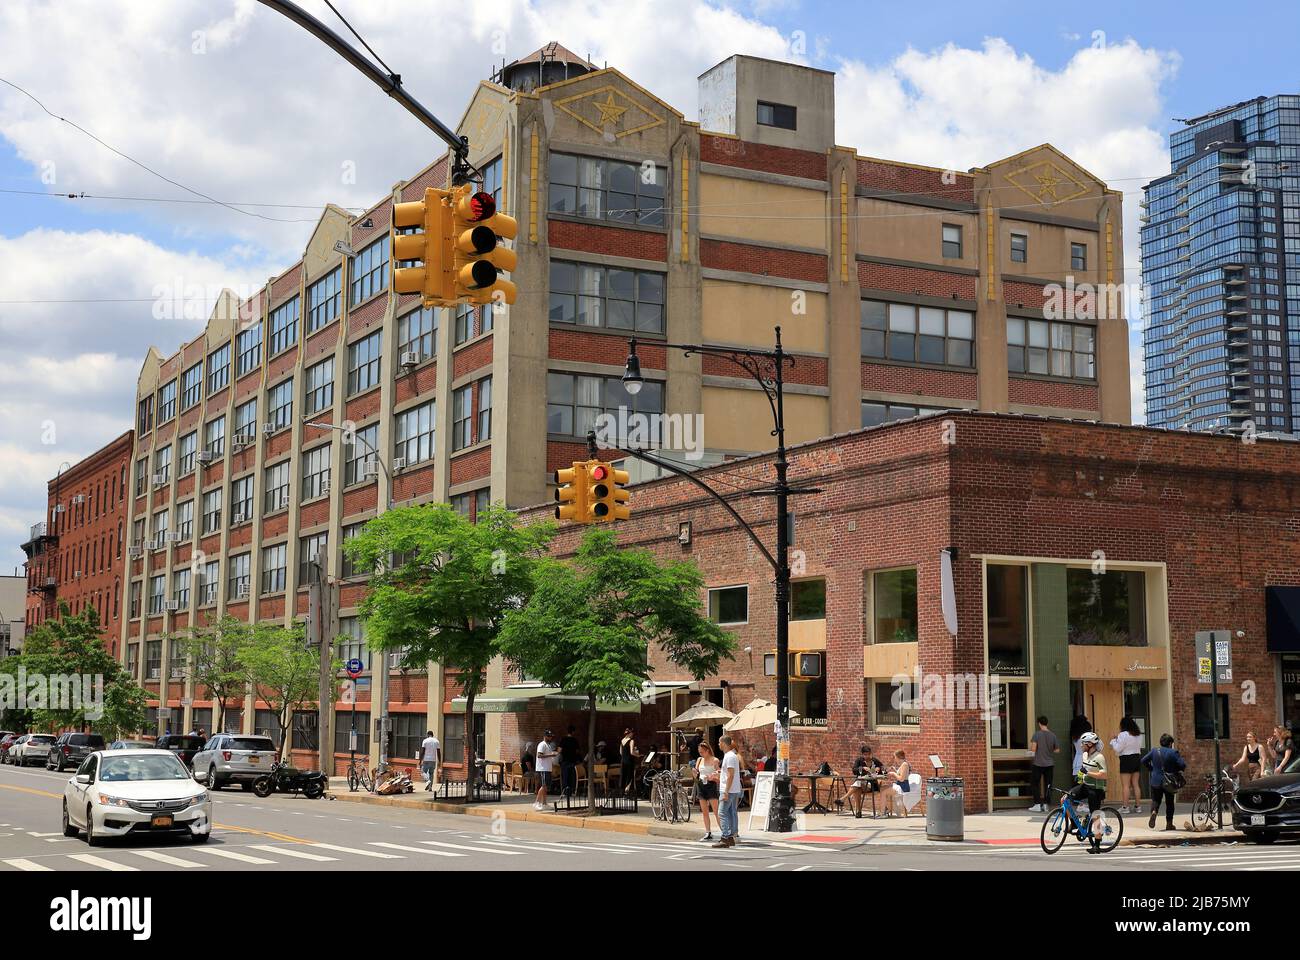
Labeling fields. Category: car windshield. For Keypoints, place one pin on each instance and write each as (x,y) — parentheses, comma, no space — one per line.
(150,767)
(251,743)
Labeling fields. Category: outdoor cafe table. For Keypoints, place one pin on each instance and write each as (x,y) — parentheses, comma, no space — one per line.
(813,805)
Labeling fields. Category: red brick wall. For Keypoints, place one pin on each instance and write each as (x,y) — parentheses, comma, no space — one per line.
(583,347)
(1053,393)
(760,156)
(767,261)
(471,466)
(435,176)
(916,280)
(413,482)
(806,370)
(360,500)
(474,357)
(920,382)
(614,241)
(420,381)
(904,180)
(363,407)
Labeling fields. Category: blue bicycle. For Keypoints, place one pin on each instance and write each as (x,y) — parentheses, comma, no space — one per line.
(1105,824)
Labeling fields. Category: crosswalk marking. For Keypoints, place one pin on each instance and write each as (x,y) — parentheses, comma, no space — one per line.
(168,858)
(102,863)
(539,846)
(291,852)
(432,853)
(483,849)
(231,855)
(20,864)
(361,853)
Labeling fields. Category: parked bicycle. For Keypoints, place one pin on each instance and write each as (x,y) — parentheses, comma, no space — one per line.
(670,798)
(359,778)
(1106,824)
(1210,804)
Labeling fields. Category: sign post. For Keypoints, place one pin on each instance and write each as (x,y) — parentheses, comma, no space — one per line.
(355,666)
(1214,664)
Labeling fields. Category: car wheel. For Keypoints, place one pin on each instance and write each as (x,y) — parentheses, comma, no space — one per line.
(91,839)
(200,837)
(68,829)
(213,782)
(1262,836)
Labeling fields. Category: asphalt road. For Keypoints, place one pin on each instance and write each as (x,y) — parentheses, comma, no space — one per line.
(293,833)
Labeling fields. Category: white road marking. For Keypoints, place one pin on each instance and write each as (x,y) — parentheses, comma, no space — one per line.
(231,855)
(29,866)
(167,858)
(289,851)
(361,853)
(538,846)
(482,849)
(103,864)
(432,853)
(33,834)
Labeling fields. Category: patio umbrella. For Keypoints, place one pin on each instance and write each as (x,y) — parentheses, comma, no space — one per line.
(702,714)
(757,713)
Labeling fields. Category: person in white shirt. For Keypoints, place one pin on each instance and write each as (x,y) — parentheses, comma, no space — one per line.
(730,788)
(545,754)
(1128,747)
(430,754)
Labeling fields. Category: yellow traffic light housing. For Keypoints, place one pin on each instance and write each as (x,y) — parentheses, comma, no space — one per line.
(571,493)
(619,496)
(606,498)
(478,256)
(430,244)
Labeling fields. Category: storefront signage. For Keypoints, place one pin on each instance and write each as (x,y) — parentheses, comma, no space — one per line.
(761,805)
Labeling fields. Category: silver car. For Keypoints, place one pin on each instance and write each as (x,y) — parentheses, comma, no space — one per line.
(234,758)
(31,748)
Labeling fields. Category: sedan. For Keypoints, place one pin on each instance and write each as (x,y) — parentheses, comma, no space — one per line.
(1269,806)
(7,740)
(132,792)
(31,748)
(130,745)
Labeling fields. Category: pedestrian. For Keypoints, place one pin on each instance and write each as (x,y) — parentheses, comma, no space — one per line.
(1250,762)
(430,754)
(545,761)
(1078,727)
(1092,783)
(627,758)
(1128,747)
(1281,748)
(570,754)
(693,745)
(1045,749)
(706,771)
(1166,765)
(729,790)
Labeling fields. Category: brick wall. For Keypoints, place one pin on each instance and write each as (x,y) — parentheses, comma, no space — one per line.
(761,156)
(1053,393)
(474,357)
(920,382)
(810,371)
(916,280)
(903,180)
(581,346)
(613,241)
(765,261)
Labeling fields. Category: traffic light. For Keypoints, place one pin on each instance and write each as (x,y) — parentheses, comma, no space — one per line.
(479,258)
(430,244)
(606,498)
(571,493)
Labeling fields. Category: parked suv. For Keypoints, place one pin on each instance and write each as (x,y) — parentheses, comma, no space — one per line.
(234,758)
(71,749)
(181,744)
(7,740)
(30,748)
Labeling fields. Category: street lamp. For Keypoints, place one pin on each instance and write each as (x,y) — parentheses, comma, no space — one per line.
(767,368)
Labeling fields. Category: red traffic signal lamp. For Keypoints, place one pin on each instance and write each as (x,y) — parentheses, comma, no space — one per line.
(606,497)
(478,256)
(430,244)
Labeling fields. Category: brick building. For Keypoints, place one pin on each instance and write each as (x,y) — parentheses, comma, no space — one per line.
(1087,556)
(76,554)
(899,288)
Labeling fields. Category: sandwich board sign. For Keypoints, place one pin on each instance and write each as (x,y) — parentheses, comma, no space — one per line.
(761,806)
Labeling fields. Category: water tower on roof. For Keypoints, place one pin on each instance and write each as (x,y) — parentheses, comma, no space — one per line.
(551,64)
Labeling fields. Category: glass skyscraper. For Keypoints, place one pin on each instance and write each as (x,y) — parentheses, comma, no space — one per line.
(1221,266)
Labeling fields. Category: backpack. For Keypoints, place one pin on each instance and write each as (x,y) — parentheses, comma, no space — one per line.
(1174,780)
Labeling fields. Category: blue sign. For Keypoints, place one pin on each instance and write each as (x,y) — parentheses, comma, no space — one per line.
(355,667)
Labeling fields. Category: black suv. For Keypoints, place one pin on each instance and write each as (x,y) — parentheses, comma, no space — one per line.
(181,744)
(71,749)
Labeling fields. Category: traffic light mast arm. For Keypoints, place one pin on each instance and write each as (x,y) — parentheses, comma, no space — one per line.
(390,83)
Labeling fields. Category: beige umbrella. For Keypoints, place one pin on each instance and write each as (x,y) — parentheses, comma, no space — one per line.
(757,713)
(703,713)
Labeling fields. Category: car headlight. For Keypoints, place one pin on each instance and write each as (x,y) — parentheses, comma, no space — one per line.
(201,798)
(108,801)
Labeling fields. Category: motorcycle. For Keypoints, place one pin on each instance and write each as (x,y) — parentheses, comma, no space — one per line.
(283,778)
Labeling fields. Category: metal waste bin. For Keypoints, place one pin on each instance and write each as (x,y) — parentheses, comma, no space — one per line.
(944,816)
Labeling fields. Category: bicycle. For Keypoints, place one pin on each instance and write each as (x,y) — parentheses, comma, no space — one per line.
(669,799)
(1210,804)
(359,777)
(1064,821)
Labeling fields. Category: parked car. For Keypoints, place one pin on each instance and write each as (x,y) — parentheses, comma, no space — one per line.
(115,793)
(71,749)
(30,748)
(183,745)
(7,738)
(130,745)
(234,758)
(1265,808)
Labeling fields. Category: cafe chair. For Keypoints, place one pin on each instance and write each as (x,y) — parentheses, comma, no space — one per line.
(515,778)
(913,795)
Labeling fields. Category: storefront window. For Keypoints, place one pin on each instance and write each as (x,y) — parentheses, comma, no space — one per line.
(1008,714)
(894,606)
(895,705)
(453,729)
(808,689)
(1291,690)
(1203,715)
(1106,609)
(1007,604)
(808,600)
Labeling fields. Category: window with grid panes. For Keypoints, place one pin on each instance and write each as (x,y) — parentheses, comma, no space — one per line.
(484,426)
(185,450)
(1051,348)
(246,420)
(133,604)
(241,500)
(157,593)
(370,271)
(319,386)
(275,560)
(212,511)
(305,730)
(912,334)
(414,432)
(462,417)
(275,487)
(364,363)
(408,733)
(323,300)
(311,548)
(166,401)
(248,349)
(218,368)
(192,386)
(463,503)
(1078,256)
(596,296)
(160,524)
(362,450)
(162,463)
(492,173)
(605,189)
(463,319)
(181,587)
(185,520)
(144,415)
(141,475)
(347,568)
(279,404)
(951,241)
(1019,248)
(352,641)
(214,436)
(574,401)
(210,583)
(315,472)
(417,332)
(283,326)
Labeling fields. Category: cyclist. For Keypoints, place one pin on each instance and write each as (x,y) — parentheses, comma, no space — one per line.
(1092,782)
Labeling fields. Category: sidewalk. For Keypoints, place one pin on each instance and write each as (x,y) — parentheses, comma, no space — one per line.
(1012,828)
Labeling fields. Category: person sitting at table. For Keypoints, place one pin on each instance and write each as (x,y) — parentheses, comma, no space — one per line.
(866,771)
(901,784)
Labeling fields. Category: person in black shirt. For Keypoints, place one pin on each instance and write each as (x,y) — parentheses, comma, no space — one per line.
(865,769)
(570,756)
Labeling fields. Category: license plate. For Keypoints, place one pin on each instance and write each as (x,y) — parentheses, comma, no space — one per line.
(254,759)
(163,821)
(1257,820)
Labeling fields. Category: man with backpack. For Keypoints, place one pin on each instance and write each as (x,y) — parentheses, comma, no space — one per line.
(1166,765)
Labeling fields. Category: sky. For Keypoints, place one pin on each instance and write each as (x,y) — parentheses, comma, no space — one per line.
(190,101)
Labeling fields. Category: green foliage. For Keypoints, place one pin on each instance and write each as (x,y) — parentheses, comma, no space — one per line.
(212,653)
(124,709)
(283,669)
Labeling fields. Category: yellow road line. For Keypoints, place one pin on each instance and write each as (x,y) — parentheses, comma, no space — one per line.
(39,793)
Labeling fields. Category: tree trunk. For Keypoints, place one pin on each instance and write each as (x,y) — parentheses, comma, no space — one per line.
(591,754)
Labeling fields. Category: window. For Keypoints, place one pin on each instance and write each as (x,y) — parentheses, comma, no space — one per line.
(1051,348)
(181,587)
(604,189)
(595,296)
(462,417)
(911,334)
(275,487)
(157,591)
(484,427)
(305,730)
(1106,609)
(1007,605)
(895,705)
(482,500)
(463,503)
(876,412)
(246,421)
(1019,248)
(283,325)
(152,663)
(1008,714)
(408,732)
(192,386)
(311,548)
(1203,716)
(162,464)
(951,242)
(141,476)
(352,641)
(359,453)
(218,368)
(453,729)
(211,577)
(185,520)
(160,524)
(414,430)
(345,723)
(133,608)
(144,415)
(417,332)
(492,180)
(574,401)
(364,363)
(323,300)
(729,605)
(167,401)
(893,606)
(248,349)
(241,500)
(212,511)
(279,402)
(1078,256)
(776,115)
(346,568)
(319,386)
(808,600)
(185,450)
(274,563)
(370,271)
(316,472)
(214,436)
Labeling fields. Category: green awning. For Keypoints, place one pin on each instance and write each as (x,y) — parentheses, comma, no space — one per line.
(517,699)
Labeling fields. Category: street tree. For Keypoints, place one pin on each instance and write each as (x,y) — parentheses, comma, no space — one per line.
(212,652)
(284,671)
(444,586)
(592,622)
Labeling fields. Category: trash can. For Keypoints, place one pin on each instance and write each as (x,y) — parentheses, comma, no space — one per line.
(944,816)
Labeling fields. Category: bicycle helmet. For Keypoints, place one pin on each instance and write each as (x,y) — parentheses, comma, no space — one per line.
(1089,738)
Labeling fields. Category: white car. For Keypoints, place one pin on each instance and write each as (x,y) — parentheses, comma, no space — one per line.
(31,748)
(135,792)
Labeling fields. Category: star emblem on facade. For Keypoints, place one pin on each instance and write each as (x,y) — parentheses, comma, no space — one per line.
(1047,183)
(613,108)
(610,112)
